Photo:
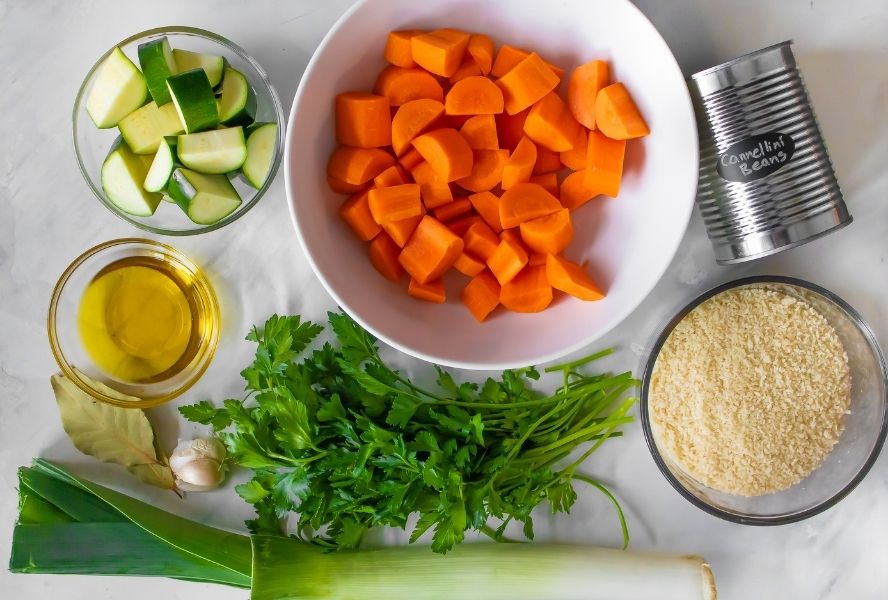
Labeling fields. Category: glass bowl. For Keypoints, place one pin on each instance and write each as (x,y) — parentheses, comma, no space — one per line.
(72,356)
(91,144)
(852,456)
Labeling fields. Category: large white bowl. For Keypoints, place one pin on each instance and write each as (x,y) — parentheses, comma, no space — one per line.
(628,241)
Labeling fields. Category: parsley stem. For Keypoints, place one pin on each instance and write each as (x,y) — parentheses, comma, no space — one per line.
(595,483)
(569,366)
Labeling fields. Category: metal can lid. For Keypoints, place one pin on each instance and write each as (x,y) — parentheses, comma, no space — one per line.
(743,69)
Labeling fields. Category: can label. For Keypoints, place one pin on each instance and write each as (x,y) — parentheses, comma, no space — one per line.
(755,157)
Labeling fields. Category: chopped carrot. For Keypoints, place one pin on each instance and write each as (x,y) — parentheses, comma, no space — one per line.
(384,257)
(509,56)
(402,85)
(570,278)
(528,292)
(363,120)
(474,96)
(526,83)
(461,226)
(356,212)
(510,128)
(398,48)
(526,201)
(433,291)
(430,251)
(410,159)
(432,187)
(400,231)
(549,181)
(616,114)
(341,187)
(452,210)
(550,124)
(480,241)
(412,119)
(447,152)
(582,88)
(486,204)
(536,259)
(519,166)
(357,166)
(480,48)
(575,158)
(394,175)
(547,161)
(507,261)
(468,265)
(481,295)
(575,192)
(513,235)
(468,68)
(440,51)
(487,170)
(395,203)
(550,234)
(480,132)
(604,163)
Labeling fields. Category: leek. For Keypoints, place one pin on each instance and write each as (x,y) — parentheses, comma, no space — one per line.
(68,525)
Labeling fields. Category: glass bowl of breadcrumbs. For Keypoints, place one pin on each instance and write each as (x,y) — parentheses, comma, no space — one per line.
(764,401)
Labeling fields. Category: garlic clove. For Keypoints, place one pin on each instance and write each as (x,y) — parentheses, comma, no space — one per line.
(199,475)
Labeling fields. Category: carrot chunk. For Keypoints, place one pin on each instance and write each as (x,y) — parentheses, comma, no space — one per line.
(363,120)
(480,132)
(582,88)
(400,231)
(513,235)
(356,212)
(341,187)
(430,251)
(480,241)
(507,261)
(549,182)
(440,51)
(468,68)
(394,175)
(526,83)
(550,234)
(461,226)
(468,265)
(433,291)
(510,128)
(604,163)
(547,161)
(550,124)
(536,259)
(575,191)
(410,159)
(447,152)
(480,48)
(357,166)
(570,278)
(528,292)
(412,119)
(486,204)
(487,170)
(509,56)
(452,210)
(481,295)
(575,158)
(432,187)
(519,166)
(616,115)
(395,203)
(526,201)
(398,48)
(402,85)
(474,96)
(384,257)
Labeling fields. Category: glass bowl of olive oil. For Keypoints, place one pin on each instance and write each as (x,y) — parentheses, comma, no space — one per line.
(136,316)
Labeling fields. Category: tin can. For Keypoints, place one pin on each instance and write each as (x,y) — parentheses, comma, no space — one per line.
(766,182)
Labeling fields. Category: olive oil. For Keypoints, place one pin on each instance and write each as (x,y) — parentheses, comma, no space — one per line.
(140,321)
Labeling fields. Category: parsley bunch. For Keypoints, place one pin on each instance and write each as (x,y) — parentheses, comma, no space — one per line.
(348,443)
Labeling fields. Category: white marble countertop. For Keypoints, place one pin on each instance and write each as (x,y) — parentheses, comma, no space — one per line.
(49,217)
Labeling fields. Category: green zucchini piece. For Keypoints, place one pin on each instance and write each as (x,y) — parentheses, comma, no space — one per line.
(211,64)
(123,174)
(194,100)
(144,128)
(216,151)
(161,168)
(118,90)
(206,199)
(237,104)
(158,64)
(261,144)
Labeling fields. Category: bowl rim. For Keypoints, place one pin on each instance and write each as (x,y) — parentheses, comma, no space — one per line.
(72,373)
(272,94)
(742,518)
(621,314)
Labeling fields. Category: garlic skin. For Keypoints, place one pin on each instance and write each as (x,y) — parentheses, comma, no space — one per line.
(198,464)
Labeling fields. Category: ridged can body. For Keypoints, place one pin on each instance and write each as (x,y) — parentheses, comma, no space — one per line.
(766,181)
